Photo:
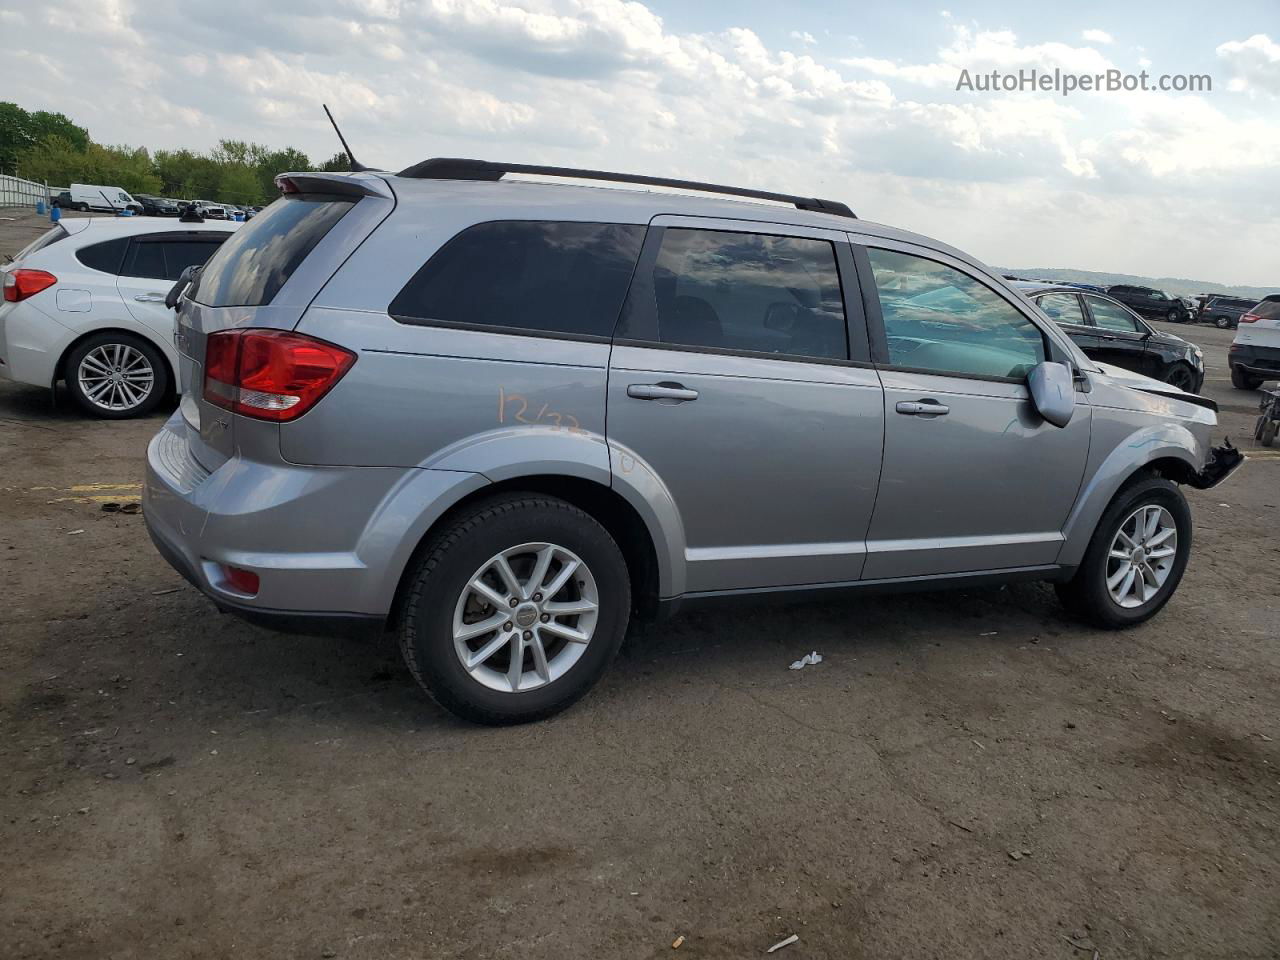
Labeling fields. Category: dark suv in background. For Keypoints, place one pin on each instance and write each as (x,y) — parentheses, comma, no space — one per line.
(1109,332)
(156,206)
(1150,302)
(1224,312)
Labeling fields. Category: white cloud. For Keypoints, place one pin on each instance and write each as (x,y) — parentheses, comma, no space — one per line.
(608,84)
(1255,63)
(1097,36)
(804,36)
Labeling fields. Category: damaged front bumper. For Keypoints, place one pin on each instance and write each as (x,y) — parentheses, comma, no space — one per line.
(1223,461)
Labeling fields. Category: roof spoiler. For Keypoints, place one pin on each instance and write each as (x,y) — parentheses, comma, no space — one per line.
(457,168)
(340,184)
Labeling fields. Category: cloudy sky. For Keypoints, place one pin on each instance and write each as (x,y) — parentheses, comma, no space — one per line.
(851,100)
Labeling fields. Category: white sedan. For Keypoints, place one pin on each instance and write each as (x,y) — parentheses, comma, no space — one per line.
(85,304)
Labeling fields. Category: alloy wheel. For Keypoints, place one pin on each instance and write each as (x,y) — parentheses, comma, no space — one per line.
(525,617)
(1141,556)
(116,376)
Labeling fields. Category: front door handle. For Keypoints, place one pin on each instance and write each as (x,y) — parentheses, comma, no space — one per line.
(923,408)
(670,392)
(150,298)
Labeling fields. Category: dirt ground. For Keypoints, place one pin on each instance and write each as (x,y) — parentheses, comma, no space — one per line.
(967,774)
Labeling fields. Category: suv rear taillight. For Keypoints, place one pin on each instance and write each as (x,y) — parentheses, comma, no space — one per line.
(271,374)
(21,283)
(1250,318)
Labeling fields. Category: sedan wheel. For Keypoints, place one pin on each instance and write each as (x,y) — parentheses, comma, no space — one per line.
(1181,377)
(1141,556)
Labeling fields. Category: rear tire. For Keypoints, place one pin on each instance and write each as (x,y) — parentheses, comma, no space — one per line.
(1089,594)
(1222,323)
(1267,434)
(143,376)
(442,606)
(1242,381)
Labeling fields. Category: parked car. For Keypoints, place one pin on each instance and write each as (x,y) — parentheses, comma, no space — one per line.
(63,199)
(157,206)
(1109,332)
(1150,302)
(395,399)
(85,304)
(1254,354)
(1224,312)
(210,210)
(93,196)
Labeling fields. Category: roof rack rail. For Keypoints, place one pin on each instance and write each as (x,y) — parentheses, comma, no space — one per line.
(456,168)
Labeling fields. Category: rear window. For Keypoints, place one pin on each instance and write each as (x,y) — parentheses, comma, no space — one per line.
(252,266)
(1267,310)
(531,275)
(47,238)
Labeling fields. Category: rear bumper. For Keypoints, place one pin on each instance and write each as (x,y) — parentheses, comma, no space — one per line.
(31,344)
(1256,360)
(328,544)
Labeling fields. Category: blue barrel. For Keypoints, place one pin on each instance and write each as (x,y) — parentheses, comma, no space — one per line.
(55,214)
(239,217)
(39,208)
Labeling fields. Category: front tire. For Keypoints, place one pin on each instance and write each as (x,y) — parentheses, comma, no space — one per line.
(515,610)
(1222,323)
(116,376)
(1135,559)
(1181,376)
(1173,316)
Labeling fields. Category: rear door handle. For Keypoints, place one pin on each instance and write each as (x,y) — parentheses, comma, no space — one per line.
(922,408)
(671,392)
(150,298)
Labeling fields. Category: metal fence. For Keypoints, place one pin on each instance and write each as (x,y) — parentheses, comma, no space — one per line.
(16,192)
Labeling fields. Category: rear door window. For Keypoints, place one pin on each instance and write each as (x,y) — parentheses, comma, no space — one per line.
(751,292)
(534,276)
(180,254)
(257,260)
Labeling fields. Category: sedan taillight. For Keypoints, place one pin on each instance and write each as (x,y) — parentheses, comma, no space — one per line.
(271,374)
(22,283)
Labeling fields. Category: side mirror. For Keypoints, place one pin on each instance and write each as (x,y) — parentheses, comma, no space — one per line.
(1053,392)
(175,292)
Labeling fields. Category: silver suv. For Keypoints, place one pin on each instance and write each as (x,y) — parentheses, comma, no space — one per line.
(502,417)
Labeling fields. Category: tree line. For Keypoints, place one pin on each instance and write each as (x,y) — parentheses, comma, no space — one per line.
(51,148)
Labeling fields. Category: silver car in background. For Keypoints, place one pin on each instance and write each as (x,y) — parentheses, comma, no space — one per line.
(502,417)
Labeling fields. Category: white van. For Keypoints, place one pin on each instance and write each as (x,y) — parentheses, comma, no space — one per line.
(94,196)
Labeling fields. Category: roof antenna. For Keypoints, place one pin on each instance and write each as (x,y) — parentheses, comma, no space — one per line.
(356,165)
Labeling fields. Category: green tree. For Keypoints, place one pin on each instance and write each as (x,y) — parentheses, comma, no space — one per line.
(20,131)
(338,163)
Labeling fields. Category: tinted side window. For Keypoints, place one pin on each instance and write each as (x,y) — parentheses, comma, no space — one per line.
(544,276)
(106,256)
(251,267)
(750,291)
(146,259)
(939,319)
(1111,316)
(1063,307)
(180,254)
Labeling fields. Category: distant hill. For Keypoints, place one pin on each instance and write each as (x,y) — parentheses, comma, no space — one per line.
(1177,286)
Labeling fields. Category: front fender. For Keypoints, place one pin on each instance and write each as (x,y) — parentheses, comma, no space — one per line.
(1116,453)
